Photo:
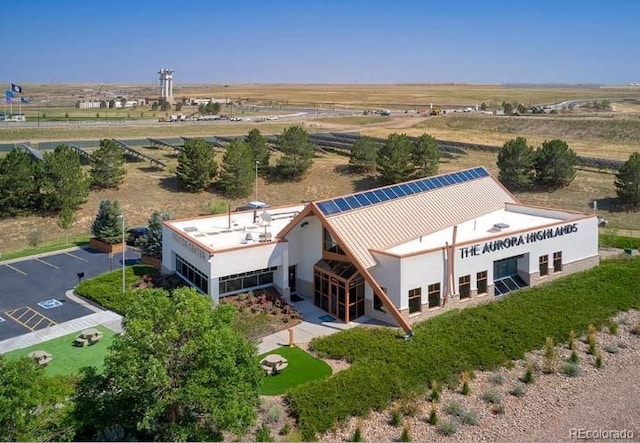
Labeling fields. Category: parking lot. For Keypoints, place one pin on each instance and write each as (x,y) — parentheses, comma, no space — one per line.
(32,291)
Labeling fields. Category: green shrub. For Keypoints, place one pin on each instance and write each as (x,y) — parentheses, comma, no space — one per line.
(572,340)
(573,358)
(405,436)
(496,378)
(549,356)
(264,433)
(217,207)
(599,361)
(611,348)
(517,390)
(465,377)
(495,333)
(469,417)
(357,434)
(286,429)
(435,391)
(613,327)
(106,289)
(409,406)
(571,369)
(510,364)
(453,408)
(433,415)
(528,377)
(447,427)
(624,319)
(396,418)
(491,396)
(274,413)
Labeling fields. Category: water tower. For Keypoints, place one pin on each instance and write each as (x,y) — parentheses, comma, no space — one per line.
(166,85)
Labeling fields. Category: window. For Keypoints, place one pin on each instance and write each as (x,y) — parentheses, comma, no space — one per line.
(464,286)
(377,301)
(415,300)
(191,274)
(434,295)
(481,281)
(544,265)
(557,261)
(246,280)
(330,245)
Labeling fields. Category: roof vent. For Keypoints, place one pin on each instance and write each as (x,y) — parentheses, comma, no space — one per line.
(190,229)
(498,227)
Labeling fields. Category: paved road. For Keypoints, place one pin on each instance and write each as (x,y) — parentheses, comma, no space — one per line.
(32,291)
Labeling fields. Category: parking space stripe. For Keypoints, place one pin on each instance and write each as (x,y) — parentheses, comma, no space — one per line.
(25,323)
(75,256)
(16,269)
(46,263)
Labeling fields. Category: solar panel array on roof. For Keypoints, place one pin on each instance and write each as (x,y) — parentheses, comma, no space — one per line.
(367,198)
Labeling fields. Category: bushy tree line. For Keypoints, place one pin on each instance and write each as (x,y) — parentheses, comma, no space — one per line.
(552,165)
(198,168)
(398,159)
(179,372)
(56,184)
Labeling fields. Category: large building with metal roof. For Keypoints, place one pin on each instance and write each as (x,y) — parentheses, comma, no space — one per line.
(395,253)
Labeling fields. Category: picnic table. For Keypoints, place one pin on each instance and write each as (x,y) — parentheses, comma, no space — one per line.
(41,357)
(273,363)
(88,337)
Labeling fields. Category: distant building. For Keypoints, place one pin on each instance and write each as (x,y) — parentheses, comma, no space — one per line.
(13,117)
(88,104)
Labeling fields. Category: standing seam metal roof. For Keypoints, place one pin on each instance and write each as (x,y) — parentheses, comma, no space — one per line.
(394,222)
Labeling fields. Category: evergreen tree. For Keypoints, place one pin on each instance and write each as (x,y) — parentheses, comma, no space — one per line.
(107,165)
(151,242)
(555,164)
(107,226)
(18,186)
(394,159)
(298,153)
(237,176)
(63,184)
(516,164)
(196,165)
(628,182)
(261,151)
(425,156)
(364,153)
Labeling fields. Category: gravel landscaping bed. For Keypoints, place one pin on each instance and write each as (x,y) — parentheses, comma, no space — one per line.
(595,398)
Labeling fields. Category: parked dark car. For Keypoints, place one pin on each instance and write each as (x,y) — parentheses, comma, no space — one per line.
(134,234)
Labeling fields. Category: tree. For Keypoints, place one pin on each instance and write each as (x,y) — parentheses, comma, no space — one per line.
(63,184)
(154,106)
(210,108)
(178,372)
(237,176)
(628,182)
(165,106)
(298,153)
(516,164)
(107,165)
(483,106)
(179,106)
(33,407)
(522,109)
(112,103)
(425,156)
(507,107)
(151,242)
(364,153)
(196,165)
(18,187)
(261,152)
(107,226)
(394,159)
(555,164)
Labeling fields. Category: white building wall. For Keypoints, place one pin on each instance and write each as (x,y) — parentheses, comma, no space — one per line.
(420,271)
(305,250)
(389,274)
(247,259)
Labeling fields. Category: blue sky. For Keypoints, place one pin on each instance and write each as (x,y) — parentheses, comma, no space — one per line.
(323,41)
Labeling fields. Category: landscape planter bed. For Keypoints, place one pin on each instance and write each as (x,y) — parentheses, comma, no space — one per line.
(101,246)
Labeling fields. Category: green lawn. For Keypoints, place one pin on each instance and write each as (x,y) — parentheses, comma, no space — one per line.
(56,245)
(68,359)
(302,368)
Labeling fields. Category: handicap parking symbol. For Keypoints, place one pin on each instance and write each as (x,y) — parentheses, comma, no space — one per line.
(50,304)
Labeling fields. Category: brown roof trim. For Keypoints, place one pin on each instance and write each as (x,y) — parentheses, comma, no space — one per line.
(386,301)
(306,212)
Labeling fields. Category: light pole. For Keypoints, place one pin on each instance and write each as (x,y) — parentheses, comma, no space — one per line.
(124,248)
(257,163)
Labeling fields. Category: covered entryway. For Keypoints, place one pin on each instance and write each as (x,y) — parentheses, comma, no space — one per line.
(505,275)
(339,289)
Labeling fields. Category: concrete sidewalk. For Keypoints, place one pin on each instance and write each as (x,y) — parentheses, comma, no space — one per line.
(312,326)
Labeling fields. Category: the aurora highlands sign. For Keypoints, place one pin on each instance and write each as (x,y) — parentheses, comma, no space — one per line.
(517,240)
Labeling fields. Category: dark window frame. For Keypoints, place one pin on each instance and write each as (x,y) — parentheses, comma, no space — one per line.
(415,294)
(464,286)
(543,265)
(557,261)
(481,282)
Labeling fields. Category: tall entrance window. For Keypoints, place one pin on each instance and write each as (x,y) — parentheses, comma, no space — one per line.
(557,261)
(330,245)
(339,289)
(481,282)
